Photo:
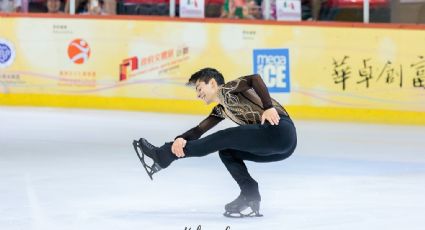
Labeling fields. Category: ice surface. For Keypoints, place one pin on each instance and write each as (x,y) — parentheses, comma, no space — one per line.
(63,169)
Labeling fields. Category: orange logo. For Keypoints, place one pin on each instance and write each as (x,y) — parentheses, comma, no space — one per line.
(79,51)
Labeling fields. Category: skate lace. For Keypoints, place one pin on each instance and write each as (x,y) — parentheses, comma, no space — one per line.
(147,144)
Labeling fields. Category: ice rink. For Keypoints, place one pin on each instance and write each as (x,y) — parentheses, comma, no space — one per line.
(63,169)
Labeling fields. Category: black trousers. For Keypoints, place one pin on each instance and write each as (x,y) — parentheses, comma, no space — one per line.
(258,143)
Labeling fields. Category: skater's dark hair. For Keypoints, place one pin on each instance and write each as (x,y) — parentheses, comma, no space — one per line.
(205,75)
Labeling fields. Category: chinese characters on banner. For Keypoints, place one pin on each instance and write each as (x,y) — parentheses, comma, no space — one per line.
(148,63)
(368,73)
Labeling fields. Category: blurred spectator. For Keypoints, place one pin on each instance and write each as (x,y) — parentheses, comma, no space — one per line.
(315,8)
(104,7)
(213,8)
(37,6)
(110,7)
(10,5)
(145,7)
(242,9)
(54,6)
(233,9)
(91,7)
(252,10)
(67,6)
(311,9)
(272,13)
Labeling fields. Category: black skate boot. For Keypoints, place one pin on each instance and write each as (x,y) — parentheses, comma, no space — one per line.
(149,150)
(235,208)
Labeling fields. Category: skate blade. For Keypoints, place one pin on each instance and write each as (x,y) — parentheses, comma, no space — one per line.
(233,215)
(142,159)
(254,214)
(241,215)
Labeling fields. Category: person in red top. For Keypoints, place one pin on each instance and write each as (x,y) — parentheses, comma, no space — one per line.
(265,133)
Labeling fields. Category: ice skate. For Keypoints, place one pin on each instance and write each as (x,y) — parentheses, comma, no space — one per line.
(236,208)
(149,150)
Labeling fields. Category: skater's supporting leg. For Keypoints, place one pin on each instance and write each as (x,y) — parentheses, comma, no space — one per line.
(239,172)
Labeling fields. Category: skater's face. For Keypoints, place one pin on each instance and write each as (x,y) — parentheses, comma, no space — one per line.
(207,91)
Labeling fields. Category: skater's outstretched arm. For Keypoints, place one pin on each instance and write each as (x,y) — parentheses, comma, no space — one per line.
(195,133)
(212,120)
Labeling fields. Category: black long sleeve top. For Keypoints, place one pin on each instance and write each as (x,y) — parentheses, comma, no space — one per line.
(242,100)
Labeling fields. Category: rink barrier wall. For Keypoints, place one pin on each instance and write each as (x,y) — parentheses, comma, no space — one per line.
(302,108)
(198,108)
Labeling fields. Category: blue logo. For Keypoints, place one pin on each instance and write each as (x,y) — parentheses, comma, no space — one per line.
(273,66)
(7,53)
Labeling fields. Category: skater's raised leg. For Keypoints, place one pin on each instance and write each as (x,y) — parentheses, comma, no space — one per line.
(259,143)
(259,140)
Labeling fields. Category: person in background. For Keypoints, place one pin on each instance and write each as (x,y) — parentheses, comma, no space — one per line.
(272,14)
(252,10)
(77,4)
(316,5)
(110,7)
(233,9)
(35,6)
(213,8)
(10,6)
(54,7)
(91,7)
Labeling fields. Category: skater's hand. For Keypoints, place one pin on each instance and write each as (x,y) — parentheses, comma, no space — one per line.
(177,147)
(271,116)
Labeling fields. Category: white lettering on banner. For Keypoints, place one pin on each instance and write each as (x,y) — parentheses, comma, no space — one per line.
(274,75)
(271,59)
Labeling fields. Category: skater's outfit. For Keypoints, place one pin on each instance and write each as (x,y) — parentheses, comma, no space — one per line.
(243,101)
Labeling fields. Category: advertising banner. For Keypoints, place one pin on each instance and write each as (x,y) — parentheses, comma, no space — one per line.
(304,66)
